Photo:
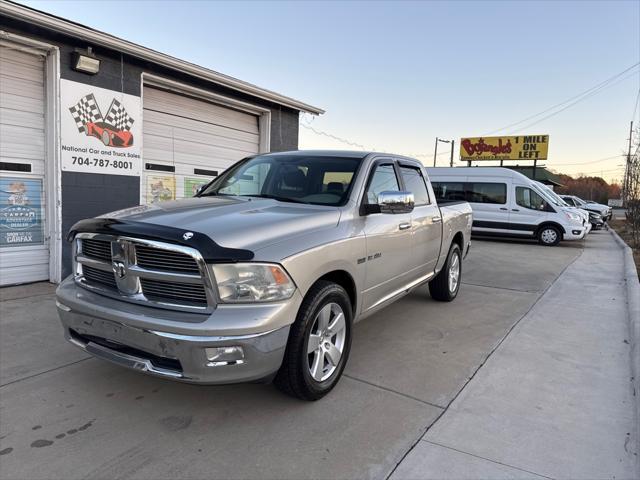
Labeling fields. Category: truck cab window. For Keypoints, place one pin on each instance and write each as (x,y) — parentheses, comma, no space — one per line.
(383,180)
(414,183)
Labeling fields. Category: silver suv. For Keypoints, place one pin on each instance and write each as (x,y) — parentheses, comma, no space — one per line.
(263,273)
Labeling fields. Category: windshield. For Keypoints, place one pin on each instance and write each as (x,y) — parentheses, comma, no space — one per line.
(579,201)
(316,180)
(555,198)
(544,193)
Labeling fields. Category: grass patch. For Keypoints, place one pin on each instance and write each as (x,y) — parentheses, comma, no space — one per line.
(622,228)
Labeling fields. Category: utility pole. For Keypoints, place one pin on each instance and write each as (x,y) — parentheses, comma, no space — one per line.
(435,153)
(627,170)
(453,144)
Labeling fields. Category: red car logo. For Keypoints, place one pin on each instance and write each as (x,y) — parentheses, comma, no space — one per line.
(110,135)
(112,129)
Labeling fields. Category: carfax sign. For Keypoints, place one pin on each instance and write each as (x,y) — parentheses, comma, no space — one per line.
(524,147)
(101,130)
(20,212)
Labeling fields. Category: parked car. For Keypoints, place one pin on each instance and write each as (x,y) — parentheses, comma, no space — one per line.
(596,220)
(264,272)
(506,203)
(557,200)
(599,208)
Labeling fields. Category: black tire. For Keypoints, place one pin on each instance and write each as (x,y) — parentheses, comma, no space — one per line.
(294,377)
(439,287)
(549,236)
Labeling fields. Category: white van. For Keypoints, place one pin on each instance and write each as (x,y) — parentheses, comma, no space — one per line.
(557,200)
(506,203)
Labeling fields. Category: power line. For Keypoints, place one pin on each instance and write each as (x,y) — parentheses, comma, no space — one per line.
(588,163)
(635,105)
(618,169)
(364,147)
(595,87)
(334,137)
(595,92)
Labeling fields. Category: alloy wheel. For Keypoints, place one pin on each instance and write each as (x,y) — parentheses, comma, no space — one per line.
(326,342)
(454,273)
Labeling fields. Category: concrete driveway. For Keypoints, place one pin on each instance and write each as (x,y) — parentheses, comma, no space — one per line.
(64,415)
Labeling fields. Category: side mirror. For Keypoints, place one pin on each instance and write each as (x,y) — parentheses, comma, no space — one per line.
(396,202)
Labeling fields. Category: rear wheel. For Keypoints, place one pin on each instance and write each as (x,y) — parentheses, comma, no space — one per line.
(549,236)
(444,287)
(319,343)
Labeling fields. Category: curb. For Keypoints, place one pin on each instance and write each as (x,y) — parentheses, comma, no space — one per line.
(633,307)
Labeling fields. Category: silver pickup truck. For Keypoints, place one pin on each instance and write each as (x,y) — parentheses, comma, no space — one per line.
(263,273)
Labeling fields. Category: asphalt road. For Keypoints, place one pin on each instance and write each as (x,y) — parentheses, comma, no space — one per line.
(64,415)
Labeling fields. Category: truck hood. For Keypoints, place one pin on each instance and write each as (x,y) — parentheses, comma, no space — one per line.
(235,222)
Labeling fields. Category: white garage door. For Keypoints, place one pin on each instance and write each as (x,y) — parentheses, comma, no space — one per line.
(24,249)
(188,141)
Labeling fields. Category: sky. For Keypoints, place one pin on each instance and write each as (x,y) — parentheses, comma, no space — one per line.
(393,76)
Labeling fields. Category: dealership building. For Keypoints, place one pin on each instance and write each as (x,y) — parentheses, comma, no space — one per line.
(91,123)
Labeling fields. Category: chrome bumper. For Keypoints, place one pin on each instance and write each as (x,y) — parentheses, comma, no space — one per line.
(171,352)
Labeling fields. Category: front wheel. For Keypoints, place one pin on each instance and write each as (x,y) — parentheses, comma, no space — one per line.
(549,236)
(444,287)
(319,343)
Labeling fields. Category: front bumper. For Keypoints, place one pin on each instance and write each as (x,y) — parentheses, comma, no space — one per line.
(574,232)
(150,340)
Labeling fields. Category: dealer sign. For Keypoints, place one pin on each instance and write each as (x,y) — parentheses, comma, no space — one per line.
(101,130)
(525,147)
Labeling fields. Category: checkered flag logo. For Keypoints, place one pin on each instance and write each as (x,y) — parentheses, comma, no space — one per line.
(118,117)
(86,111)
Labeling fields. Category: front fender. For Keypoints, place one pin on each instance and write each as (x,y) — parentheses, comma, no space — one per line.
(308,266)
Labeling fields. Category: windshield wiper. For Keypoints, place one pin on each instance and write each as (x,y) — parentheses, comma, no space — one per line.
(274,197)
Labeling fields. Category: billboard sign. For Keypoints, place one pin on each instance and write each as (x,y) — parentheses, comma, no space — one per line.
(523,147)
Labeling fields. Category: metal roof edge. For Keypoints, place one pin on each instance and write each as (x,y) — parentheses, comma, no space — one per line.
(52,22)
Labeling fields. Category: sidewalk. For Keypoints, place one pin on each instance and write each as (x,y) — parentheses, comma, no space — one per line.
(555,399)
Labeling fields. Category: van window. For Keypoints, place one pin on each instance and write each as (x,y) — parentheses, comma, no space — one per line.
(414,183)
(488,193)
(449,190)
(527,198)
(383,180)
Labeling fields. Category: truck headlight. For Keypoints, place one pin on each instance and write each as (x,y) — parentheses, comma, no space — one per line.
(574,217)
(252,282)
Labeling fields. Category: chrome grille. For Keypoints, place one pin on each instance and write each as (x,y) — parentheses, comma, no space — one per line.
(98,249)
(175,291)
(143,271)
(165,260)
(100,276)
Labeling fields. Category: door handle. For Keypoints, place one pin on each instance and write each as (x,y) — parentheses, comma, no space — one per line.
(515,210)
(436,219)
(404,226)
(503,208)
